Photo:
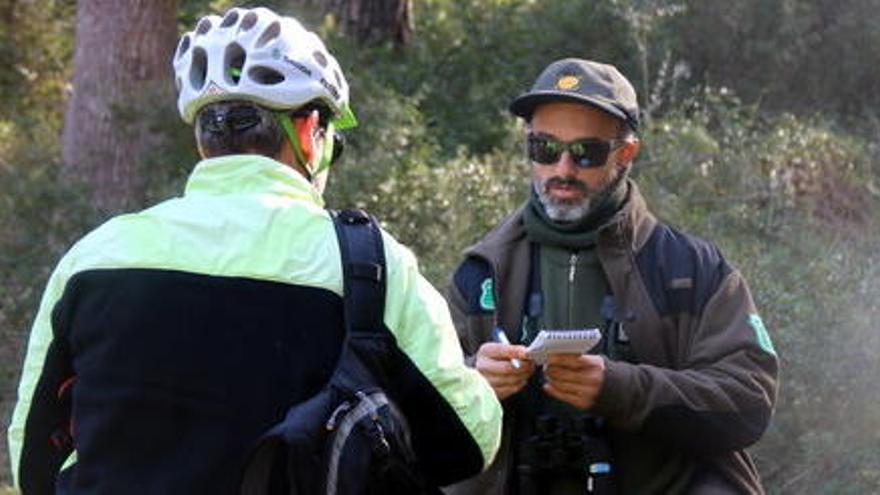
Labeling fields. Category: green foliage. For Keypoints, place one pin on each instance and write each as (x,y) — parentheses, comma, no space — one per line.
(36,45)
(395,168)
(789,54)
(788,192)
(469,60)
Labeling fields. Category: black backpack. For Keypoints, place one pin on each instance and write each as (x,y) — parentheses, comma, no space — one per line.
(350,438)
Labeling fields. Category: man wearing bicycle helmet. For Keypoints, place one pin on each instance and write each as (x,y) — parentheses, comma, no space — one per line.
(168,340)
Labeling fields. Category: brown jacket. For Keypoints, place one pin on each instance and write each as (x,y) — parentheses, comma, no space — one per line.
(701,380)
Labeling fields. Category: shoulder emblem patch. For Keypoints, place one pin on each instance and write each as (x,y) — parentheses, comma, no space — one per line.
(761,333)
(487,296)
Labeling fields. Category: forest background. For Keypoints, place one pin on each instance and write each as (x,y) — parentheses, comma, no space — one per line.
(761,134)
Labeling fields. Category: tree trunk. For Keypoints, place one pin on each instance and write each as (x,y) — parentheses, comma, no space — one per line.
(373,21)
(122,59)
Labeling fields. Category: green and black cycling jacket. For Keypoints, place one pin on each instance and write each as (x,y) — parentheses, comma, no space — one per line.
(168,340)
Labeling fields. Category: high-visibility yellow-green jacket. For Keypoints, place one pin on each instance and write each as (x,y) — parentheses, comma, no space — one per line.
(168,340)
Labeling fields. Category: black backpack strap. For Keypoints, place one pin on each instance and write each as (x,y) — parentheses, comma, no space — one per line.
(296,438)
(363,269)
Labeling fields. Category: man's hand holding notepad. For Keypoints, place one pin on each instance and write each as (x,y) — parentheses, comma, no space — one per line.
(562,342)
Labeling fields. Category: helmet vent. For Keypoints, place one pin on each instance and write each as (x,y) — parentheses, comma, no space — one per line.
(230,19)
(272,32)
(235,58)
(249,20)
(204,26)
(265,75)
(184,46)
(320,58)
(338,78)
(198,69)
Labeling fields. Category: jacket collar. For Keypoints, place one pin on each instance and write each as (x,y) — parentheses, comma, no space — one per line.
(507,250)
(631,226)
(237,174)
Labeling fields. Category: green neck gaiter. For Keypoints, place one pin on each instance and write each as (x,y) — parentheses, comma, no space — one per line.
(572,235)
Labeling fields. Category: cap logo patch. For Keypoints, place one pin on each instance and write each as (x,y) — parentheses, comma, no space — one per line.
(212,89)
(567,83)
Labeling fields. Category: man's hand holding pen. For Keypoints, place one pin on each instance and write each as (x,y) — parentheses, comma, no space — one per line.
(495,361)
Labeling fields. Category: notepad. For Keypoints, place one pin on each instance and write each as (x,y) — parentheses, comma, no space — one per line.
(562,342)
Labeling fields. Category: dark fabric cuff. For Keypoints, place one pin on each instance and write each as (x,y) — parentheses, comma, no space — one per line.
(611,402)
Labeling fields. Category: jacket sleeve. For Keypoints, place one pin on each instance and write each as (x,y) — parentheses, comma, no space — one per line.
(419,318)
(721,396)
(39,434)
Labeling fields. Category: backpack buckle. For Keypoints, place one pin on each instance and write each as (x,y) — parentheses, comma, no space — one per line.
(369,271)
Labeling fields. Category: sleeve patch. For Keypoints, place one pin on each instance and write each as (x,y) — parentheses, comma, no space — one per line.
(475,283)
(761,333)
(487,295)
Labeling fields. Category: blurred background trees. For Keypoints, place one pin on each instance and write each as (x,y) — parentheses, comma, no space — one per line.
(120,67)
(762,135)
(370,21)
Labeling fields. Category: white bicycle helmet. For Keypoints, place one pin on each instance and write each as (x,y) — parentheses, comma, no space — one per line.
(257,55)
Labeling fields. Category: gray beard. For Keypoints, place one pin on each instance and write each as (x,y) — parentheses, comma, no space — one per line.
(563,211)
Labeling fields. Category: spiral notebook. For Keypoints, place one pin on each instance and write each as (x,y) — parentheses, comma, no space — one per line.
(562,342)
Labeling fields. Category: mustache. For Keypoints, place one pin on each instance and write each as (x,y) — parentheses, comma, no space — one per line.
(562,182)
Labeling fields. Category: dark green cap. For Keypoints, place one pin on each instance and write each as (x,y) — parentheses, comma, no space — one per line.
(581,81)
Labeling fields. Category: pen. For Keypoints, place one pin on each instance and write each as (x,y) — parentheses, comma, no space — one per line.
(501,337)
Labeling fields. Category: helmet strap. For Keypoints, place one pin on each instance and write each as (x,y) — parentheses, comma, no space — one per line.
(299,141)
(327,152)
(300,132)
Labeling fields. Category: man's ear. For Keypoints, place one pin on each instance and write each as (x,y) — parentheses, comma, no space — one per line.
(305,132)
(628,152)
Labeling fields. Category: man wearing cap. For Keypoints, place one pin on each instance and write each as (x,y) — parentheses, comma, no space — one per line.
(685,375)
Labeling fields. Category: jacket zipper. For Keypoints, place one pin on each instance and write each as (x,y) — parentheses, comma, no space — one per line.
(572,267)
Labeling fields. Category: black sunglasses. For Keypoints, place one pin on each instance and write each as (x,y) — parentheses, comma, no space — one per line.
(585,153)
